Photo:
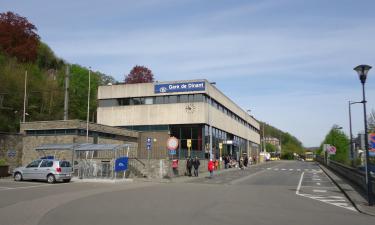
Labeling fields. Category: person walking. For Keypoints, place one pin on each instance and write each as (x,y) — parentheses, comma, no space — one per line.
(226,162)
(210,167)
(246,161)
(189,165)
(196,165)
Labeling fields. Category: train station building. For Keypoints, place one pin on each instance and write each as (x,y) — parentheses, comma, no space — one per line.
(183,109)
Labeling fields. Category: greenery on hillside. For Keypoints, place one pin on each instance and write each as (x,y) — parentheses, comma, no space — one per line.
(45,83)
(289,143)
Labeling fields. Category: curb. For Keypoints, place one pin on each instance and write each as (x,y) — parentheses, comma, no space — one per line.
(351,194)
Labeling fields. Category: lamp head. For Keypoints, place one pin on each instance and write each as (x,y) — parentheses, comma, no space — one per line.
(362,71)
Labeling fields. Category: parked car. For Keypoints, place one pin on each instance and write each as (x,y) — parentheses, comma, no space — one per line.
(45,169)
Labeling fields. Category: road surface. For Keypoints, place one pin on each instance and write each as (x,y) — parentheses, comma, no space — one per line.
(282,192)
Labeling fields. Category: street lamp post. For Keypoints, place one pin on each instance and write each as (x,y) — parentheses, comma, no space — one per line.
(351,132)
(362,71)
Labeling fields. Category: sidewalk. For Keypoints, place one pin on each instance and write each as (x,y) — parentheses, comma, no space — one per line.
(182,179)
(359,202)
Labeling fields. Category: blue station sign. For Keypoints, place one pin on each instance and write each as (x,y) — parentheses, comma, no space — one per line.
(179,87)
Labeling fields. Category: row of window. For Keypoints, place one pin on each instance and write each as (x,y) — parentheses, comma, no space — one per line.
(80,132)
(170,99)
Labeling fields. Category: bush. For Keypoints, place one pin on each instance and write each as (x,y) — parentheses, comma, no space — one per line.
(3,162)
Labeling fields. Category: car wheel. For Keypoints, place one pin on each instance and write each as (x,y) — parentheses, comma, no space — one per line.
(18,177)
(51,179)
(66,180)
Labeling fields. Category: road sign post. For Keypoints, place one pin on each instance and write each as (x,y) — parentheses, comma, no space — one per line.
(221,156)
(148,144)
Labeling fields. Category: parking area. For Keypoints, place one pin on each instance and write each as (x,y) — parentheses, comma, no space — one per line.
(10,184)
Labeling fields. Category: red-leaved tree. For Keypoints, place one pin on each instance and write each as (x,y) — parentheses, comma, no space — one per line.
(18,37)
(139,74)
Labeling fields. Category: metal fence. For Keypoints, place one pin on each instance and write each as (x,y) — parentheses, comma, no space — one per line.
(101,163)
(353,175)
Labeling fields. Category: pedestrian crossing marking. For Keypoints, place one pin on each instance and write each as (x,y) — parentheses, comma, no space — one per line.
(321,195)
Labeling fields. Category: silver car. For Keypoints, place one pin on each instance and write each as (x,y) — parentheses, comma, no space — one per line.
(45,169)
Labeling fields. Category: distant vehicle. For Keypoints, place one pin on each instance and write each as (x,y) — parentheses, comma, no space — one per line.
(45,169)
(309,156)
(274,156)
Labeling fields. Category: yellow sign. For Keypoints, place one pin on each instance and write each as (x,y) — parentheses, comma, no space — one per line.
(188,143)
(220,145)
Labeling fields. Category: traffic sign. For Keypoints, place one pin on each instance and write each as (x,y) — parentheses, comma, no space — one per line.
(121,164)
(188,143)
(149,143)
(372,141)
(12,153)
(172,143)
(331,150)
(172,152)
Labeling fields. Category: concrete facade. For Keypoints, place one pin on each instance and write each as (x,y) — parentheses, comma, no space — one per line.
(227,117)
(156,114)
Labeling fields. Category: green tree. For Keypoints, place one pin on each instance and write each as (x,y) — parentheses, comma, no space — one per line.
(270,147)
(337,138)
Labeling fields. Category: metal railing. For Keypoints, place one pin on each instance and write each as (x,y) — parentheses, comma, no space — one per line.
(353,175)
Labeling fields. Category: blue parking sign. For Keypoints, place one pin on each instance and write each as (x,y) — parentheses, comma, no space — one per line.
(121,164)
(12,153)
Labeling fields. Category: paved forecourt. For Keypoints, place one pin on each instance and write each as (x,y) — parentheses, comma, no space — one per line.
(270,193)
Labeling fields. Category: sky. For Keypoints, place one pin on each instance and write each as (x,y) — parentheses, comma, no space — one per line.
(288,61)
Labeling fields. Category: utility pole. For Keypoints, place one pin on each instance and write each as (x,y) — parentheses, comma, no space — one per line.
(24,99)
(88,108)
(66,100)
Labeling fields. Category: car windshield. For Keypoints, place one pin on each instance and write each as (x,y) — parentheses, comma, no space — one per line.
(34,164)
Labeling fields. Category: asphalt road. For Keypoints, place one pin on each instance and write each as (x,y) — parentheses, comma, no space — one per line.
(273,193)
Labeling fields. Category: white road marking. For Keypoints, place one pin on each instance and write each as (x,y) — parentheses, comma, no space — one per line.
(276,169)
(323,191)
(315,179)
(335,197)
(290,169)
(27,187)
(299,184)
(268,168)
(318,184)
(332,200)
(283,169)
(5,188)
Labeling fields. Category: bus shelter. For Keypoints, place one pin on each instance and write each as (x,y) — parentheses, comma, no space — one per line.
(107,161)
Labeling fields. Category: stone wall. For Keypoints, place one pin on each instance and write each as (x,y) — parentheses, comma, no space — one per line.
(163,168)
(158,145)
(11,143)
(31,142)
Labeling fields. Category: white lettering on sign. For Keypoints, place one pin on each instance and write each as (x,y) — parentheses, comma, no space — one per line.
(172,87)
(200,85)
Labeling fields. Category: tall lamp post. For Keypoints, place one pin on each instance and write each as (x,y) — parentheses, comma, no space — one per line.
(351,132)
(362,71)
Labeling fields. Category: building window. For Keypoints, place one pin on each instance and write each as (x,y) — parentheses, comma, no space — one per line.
(159,100)
(149,101)
(198,98)
(184,98)
(172,99)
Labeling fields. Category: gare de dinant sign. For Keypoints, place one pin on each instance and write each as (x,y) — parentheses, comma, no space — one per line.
(179,87)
